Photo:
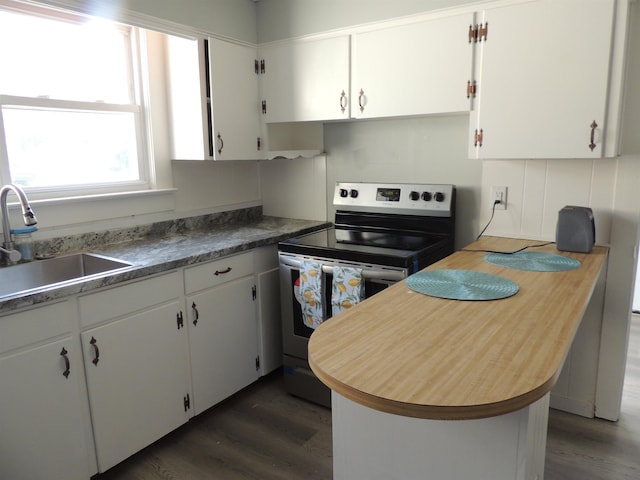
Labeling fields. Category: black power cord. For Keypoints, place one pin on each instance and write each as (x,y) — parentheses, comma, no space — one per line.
(493,211)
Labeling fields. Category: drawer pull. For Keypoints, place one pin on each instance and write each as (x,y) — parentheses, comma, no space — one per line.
(196,315)
(222,272)
(593,126)
(67,370)
(94,343)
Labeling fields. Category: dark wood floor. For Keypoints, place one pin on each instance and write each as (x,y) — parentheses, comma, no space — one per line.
(263,433)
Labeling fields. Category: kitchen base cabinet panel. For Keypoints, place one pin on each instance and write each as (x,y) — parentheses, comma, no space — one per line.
(40,420)
(223,339)
(137,376)
(377,445)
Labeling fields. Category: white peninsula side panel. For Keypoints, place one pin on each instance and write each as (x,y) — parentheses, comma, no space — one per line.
(376,445)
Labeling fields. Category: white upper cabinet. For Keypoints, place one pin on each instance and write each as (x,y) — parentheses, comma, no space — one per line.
(413,69)
(543,80)
(305,80)
(213,100)
(234,94)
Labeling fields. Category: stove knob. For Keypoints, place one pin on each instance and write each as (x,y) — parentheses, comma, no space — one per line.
(353,193)
(344,192)
(439,196)
(426,196)
(414,195)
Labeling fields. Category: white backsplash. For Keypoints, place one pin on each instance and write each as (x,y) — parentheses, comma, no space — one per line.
(538,189)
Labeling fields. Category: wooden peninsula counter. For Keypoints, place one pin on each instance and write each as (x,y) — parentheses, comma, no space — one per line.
(402,365)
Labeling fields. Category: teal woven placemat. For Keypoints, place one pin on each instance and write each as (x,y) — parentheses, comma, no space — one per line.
(536,261)
(462,285)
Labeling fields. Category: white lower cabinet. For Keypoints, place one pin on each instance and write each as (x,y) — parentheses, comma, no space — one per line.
(223,332)
(131,363)
(136,366)
(41,413)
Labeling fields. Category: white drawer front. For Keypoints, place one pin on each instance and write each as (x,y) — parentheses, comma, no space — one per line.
(220,271)
(35,325)
(129,298)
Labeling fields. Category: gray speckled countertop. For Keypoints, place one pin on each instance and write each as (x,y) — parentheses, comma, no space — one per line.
(177,247)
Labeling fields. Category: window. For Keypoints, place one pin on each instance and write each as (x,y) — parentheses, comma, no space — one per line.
(71,114)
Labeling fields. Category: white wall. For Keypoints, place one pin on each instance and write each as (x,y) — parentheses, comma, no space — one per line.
(278,19)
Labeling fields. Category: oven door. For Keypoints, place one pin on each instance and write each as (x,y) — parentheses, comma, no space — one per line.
(295,332)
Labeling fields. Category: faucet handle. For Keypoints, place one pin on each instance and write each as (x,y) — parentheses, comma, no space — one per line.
(11,256)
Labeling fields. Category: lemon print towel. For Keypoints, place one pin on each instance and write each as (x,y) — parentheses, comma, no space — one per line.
(347,289)
(311,289)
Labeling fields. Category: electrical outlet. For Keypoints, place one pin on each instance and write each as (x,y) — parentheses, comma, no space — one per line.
(499,193)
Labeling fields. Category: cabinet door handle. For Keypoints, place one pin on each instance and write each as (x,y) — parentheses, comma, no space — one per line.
(94,343)
(196,314)
(67,369)
(222,272)
(220,143)
(361,100)
(343,101)
(593,126)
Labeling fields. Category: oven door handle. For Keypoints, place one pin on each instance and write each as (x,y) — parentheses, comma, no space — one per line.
(367,273)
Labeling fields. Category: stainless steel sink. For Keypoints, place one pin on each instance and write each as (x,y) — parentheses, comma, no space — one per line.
(65,269)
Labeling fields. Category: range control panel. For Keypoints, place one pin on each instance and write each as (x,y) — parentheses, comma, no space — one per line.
(436,200)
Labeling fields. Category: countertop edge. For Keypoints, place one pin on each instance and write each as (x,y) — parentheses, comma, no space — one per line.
(10,304)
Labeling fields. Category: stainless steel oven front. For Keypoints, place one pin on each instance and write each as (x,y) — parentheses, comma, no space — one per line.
(298,378)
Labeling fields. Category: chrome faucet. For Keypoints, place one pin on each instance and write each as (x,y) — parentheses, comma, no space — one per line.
(9,254)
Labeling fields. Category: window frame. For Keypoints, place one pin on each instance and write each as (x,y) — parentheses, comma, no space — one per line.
(137,62)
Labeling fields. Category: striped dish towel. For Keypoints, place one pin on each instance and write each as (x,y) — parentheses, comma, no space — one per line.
(311,293)
(347,289)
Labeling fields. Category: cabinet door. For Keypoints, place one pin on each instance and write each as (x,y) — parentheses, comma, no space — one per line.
(223,341)
(137,376)
(213,100)
(306,80)
(42,432)
(234,101)
(414,69)
(543,80)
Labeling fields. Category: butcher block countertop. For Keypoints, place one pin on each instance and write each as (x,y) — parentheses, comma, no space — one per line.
(410,354)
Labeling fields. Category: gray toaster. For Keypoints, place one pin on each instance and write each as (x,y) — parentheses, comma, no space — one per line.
(576,230)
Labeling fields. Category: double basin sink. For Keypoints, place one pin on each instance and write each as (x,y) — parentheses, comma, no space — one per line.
(39,274)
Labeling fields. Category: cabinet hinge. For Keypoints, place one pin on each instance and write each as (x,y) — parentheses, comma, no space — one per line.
(258,363)
(483,31)
(264,106)
(262,66)
(255,66)
(477,138)
(187,402)
(258,144)
(478,33)
(472,88)
(254,292)
(180,320)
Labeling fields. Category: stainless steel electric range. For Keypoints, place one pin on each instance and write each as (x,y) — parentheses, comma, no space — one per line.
(386,232)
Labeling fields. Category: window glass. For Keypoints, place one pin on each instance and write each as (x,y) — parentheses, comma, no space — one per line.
(61,148)
(69,101)
(58,59)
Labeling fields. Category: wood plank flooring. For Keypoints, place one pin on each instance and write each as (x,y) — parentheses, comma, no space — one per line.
(263,433)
